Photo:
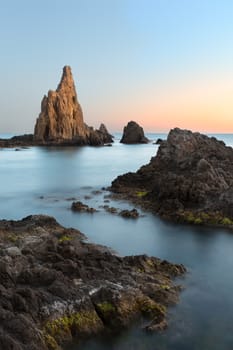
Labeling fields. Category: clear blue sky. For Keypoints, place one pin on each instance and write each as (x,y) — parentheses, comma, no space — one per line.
(163,63)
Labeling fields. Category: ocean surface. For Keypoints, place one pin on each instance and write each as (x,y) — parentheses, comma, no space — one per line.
(43,180)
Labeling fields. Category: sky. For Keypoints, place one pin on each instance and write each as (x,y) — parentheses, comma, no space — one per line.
(161,63)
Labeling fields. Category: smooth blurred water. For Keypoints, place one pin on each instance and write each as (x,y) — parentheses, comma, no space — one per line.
(42,180)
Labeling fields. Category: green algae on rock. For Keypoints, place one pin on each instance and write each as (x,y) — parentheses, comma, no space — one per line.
(56,287)
(189,180)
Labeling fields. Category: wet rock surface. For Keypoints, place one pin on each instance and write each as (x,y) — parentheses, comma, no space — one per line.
(125,213)
(133,133)
(22,141)
(55,286)
(190,179)
(81,207)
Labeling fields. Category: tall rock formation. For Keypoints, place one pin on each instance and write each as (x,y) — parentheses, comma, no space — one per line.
(133,133)
(61,117)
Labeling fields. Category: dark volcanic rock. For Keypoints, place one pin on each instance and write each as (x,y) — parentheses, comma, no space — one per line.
(61,116)
(133,214)
(79,206)
(190,179)
(55,286)
(19,141)
(104,134)
(158,141)
(133,133)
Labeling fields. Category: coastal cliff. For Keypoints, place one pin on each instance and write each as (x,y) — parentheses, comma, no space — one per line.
(190,179)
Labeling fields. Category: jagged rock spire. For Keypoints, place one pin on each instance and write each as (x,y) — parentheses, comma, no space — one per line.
(61,116)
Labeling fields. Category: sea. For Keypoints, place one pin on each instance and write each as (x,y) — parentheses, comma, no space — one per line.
(41,180)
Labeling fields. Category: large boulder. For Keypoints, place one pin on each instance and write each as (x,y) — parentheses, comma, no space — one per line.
(133,133)
(190,179)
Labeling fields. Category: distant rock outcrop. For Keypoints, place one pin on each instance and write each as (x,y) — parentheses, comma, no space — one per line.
(104,134)
(61,117)
(17,141)
(190,179)
(133,133)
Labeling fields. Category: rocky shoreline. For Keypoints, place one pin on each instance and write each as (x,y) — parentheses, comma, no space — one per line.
(55,286)
(189,180)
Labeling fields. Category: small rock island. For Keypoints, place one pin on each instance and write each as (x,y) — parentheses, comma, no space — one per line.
(189,180)
(55,286)
(133,133)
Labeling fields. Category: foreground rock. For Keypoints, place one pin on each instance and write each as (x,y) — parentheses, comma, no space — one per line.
(61,120)
(190,179)
(55,286)
(133,133)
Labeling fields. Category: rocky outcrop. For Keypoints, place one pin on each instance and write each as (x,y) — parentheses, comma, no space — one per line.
(133,133)
(61,117)
(190,179)
(61,121)
(55,286)
(18,141)
(81,207)
(104,134)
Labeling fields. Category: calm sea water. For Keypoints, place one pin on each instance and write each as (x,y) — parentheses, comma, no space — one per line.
(42,180)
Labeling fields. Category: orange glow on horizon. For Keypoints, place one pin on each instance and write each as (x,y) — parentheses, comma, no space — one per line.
(205,106)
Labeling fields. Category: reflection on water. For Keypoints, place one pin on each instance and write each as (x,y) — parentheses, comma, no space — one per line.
(42,180)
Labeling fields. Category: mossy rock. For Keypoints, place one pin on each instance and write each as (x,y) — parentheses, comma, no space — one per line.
(150,308)
(106,309)
(51,342)
(65,238)
(64,328)
(226,221)
(141,194)
(211,218)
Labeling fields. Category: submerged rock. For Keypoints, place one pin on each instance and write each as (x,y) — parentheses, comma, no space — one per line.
(133,133)
(133,214)
(190,179)
(54,286)
(79,206)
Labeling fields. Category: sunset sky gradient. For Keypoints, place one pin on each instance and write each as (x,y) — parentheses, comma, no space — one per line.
(162,63)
